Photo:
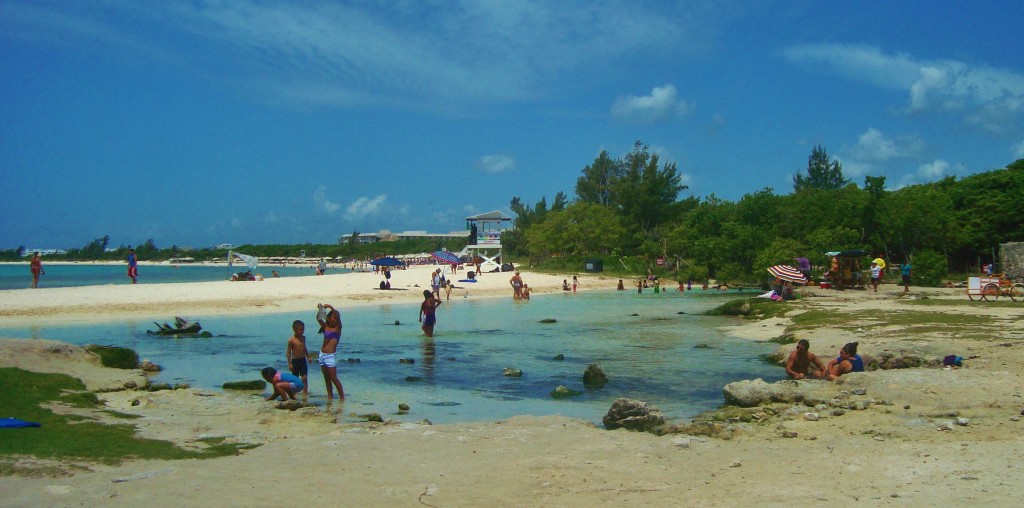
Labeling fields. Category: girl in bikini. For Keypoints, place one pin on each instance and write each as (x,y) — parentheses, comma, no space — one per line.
(328,352)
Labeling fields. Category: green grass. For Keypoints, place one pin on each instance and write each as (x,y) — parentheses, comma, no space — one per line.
(115,357)
(757,308)
(70,436)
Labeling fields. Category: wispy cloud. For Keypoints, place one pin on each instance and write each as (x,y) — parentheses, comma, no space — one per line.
(988,98)
(321,201)
(495,164)
(365,206)
(424,53)
(662,104)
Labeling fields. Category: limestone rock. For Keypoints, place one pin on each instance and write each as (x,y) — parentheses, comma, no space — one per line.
(563,392)
(594,377)
(633,415)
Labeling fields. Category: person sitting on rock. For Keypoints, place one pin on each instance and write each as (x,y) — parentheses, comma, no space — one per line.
(847,361)
(799,362)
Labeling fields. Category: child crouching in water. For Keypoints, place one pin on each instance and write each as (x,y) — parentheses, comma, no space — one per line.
(285,385)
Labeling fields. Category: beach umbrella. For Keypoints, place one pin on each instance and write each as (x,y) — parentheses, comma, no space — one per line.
(386,262)
(445,257)
(786,272)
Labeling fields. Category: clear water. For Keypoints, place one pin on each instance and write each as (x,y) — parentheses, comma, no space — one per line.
(17,276)
(457,376)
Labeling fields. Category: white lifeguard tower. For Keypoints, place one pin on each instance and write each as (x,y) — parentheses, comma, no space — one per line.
(485,237)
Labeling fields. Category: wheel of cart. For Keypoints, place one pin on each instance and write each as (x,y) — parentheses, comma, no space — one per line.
(990,292)
(1017,292)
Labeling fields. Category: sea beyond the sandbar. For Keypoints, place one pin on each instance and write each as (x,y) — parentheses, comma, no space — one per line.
(64,274)
(666,355)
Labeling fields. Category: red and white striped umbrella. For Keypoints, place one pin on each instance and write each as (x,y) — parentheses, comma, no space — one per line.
(786,272)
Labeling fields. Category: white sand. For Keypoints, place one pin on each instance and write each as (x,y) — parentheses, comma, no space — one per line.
(884,455)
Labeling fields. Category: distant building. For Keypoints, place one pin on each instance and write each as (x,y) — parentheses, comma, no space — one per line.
(387,236)
(43,252)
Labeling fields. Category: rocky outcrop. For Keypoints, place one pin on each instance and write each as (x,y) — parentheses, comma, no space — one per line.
(594,377)
(633,415)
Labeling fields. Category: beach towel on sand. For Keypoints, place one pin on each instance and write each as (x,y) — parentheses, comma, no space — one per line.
(14,423)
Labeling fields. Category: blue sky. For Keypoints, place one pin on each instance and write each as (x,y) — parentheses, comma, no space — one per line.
(199,122)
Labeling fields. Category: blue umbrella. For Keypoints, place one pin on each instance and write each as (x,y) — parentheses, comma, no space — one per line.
(386,262)
(445,257)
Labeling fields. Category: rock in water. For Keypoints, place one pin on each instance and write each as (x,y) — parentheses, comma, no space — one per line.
(594,377)
(563,392)
(633,415)
(512,372)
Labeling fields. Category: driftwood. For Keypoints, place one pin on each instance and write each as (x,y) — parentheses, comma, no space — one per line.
(181,326)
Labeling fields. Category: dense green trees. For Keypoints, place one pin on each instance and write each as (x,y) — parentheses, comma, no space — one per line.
(629,210)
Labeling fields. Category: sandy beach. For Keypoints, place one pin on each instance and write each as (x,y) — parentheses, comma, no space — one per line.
(919,436)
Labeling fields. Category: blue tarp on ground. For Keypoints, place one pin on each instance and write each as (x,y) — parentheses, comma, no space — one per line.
(14,423)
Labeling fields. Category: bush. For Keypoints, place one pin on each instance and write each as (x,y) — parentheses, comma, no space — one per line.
(115,357)
(929,269)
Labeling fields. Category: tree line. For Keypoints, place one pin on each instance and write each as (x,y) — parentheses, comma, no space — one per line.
(628,212)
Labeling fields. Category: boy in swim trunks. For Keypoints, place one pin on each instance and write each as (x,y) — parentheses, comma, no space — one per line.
(284,384)
(296,353)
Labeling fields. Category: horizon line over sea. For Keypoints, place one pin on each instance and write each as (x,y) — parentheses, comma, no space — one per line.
(89,273)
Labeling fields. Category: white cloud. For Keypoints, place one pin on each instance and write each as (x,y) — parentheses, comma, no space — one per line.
(365,206)
(989,98)
(662,104)
(495,164)
(873,145)
(321,201)
(1018,150)
(933,170)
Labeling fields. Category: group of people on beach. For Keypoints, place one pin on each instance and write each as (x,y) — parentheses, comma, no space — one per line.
(798,364)
(287,384)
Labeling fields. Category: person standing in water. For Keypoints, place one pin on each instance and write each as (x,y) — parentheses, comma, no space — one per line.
(36,265)
(133,265)
(328,352)
(427,312)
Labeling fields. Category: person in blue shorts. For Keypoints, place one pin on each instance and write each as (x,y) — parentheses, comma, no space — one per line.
(285,385)
(427,312)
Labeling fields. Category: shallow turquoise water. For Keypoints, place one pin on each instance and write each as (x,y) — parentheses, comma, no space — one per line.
(457,376)
(17,276)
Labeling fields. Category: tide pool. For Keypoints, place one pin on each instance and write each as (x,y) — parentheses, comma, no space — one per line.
(667,355)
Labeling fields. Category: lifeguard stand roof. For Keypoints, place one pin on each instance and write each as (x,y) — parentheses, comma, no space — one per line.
(490,216)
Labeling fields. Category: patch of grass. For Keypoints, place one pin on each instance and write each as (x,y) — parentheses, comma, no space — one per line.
(115,357)
(758,308)
(123,416)
(71,436)
(1003,302)
(80,399)
(818,318)
(245,385)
